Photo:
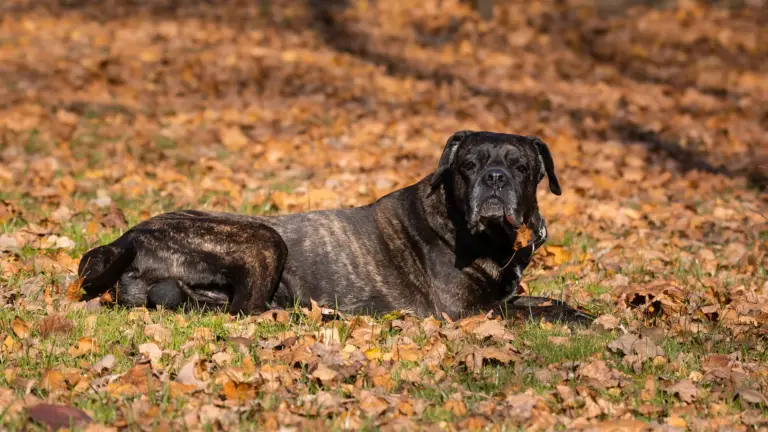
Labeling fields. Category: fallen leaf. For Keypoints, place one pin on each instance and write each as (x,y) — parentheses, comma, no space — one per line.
(456,407)
(374,353)
(715,361)
(371,404)
(84,346)
(62,214)
(10,345)
(752,396)
(203,334)
(222,358)
(75,290)
(20,328)
(406,353)
(677,422)
(277,315)
(686,390)
(157,333)
(734,253)
(233,138)
(630,344)
(150,350)
(57,416)
(54,323)
(114,218)
(105,364)
(605,322)
(53,380)
(314,313)
(239,392)
(325,374)
(490,328)
(559,340)
(523,238)
(598,374)
(8,242)
(187,373)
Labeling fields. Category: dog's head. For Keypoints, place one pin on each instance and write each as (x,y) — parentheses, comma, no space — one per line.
(492,177)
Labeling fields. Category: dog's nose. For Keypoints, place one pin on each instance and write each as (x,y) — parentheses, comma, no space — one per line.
(495,178)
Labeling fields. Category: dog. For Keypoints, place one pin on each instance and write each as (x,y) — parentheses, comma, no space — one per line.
(443,246)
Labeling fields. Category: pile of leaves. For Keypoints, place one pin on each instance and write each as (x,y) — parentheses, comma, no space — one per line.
(114,111)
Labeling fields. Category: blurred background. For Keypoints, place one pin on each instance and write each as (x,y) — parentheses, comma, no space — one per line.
(648,106)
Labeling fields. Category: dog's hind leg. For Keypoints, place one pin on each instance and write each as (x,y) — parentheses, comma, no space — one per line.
(217,260)
(256,275)
(103,266)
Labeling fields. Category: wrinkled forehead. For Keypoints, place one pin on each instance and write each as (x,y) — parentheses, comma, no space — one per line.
(492,145)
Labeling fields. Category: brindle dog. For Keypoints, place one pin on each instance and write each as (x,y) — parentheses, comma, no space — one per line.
(441,245)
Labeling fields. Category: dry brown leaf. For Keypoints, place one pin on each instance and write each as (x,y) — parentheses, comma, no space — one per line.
(715,361)
(523,238)
(189,373)
(53,380)
(598,374)
(57,417)
(556,255)
(10,345)
(233,138)
(150,350)
(20,328)
(54,323)
(620,425)
(314,312)
(277,315)
(559,340)
(371,404)
(734,253)
(752,396)
(490,328)
(605,322)
(240,392)
(630,344)
(84,345)
(456,407)
(222,358)
(686,390)
(406,353)
(203,334)
(114,218)
(75,290)
(105,364)
(157,333)
(325,374)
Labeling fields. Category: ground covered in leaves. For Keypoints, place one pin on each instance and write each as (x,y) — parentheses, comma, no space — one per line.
(113,111)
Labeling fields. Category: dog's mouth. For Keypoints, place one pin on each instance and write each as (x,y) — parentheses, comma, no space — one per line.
(493,210)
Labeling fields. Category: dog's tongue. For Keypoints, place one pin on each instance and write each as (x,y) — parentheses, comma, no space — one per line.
(510,219)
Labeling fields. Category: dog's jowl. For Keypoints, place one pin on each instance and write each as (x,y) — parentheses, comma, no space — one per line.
(442,245)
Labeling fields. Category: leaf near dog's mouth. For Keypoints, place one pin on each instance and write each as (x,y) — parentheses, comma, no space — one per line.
(524,237)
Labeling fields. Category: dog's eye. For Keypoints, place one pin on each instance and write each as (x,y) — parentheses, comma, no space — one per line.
(468,166)
(523,169)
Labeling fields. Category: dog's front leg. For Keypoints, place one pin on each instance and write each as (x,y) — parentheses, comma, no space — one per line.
(538,308)
(529,307)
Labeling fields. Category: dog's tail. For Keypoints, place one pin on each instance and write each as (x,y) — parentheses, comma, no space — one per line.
(101,267)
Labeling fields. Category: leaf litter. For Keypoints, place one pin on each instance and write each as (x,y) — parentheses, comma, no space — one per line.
(121,111)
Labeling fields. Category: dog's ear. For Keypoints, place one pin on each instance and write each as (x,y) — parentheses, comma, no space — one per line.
(449,154)
(545,158)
